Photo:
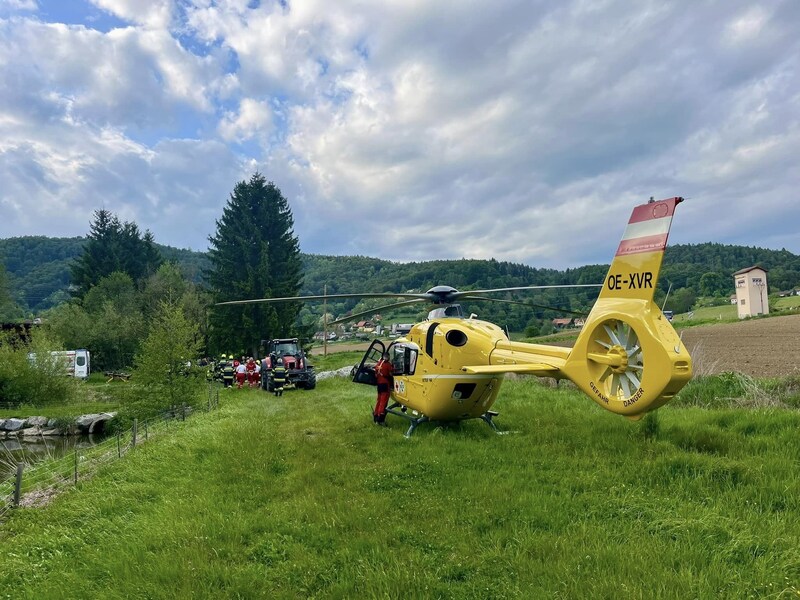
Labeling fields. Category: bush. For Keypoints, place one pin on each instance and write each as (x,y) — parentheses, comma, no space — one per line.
(37,382)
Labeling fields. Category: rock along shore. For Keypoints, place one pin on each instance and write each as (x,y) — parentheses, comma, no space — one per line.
(43,426)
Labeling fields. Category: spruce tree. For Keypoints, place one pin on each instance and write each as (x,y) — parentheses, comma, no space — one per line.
(99,258)
(113,246)
(254,254)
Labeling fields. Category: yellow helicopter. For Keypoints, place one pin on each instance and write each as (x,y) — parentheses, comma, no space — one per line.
(627,357)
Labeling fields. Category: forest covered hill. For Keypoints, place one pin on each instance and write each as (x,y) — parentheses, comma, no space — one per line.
(38,268)
(39,277)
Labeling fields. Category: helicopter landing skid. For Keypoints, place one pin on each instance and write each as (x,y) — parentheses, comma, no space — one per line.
(402,413)
(488,417)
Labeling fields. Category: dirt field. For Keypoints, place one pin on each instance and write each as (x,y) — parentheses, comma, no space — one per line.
(760,347)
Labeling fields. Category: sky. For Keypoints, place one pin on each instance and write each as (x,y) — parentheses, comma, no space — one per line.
(406,130)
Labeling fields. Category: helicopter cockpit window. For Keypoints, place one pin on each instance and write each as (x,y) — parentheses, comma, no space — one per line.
(404,358)
(451,310)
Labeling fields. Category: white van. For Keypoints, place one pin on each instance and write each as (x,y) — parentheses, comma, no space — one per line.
(77,363)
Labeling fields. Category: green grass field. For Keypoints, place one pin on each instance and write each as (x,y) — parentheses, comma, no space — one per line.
(726,312)
(303,497)
(789,302)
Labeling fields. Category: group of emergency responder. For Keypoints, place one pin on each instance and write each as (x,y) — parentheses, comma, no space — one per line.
(229,369)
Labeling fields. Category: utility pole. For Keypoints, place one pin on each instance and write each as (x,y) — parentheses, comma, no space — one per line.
(325,320)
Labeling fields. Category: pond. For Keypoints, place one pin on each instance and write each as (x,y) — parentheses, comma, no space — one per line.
(33,450)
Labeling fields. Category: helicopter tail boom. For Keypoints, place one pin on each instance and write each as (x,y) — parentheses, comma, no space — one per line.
(628,357)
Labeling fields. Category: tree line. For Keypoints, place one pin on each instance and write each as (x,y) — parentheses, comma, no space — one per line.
(102,291)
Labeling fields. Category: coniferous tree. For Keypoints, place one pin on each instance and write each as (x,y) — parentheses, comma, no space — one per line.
(111,247)
(99,257)
(151,256)
(254,254)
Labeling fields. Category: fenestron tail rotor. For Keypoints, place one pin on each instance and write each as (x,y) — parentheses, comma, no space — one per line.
(624,379)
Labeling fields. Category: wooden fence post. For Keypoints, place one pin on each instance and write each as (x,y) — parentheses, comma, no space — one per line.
(76,467)
(119,446)
(183,411)
(135,431)
(18,484)
(145,430)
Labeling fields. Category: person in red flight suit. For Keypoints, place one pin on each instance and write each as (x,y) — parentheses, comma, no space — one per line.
(251,372)
(383,371)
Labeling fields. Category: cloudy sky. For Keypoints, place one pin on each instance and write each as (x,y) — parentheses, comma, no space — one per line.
(406,129)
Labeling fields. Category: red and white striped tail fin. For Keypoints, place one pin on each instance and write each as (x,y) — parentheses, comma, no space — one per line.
(637,263)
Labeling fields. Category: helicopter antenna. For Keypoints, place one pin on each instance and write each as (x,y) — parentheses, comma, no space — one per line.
(669,289)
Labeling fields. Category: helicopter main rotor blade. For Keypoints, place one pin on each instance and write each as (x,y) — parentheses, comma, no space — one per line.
(326,297)
(528,304)
(528,287)
(372,311)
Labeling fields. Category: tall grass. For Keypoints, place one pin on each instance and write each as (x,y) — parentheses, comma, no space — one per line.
(301,496)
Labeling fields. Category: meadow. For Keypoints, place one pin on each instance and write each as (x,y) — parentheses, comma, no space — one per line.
(301,496)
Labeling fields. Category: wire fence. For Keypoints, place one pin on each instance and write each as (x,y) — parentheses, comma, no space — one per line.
(34,484)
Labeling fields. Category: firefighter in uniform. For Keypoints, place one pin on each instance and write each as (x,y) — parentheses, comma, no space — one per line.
(383,372)
(278,377)
(227,374)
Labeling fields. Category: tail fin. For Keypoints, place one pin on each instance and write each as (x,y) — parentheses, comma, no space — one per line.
(635,268)
(628,357)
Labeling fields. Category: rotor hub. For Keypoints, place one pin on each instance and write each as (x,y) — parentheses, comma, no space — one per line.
(442,294)
(619,359)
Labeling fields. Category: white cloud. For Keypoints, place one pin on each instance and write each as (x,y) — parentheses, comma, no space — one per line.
(21,5)
(747,25)
(155,14)
(253,119)
(523,131)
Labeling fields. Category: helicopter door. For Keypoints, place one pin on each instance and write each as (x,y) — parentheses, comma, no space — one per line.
(366,370)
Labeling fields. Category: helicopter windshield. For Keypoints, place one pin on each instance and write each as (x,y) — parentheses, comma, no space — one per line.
(450,310)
